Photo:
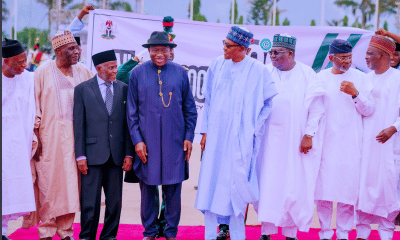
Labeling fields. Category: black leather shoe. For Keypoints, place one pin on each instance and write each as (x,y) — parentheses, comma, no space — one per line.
(265,237)
(288,238)
(223,235)
(5,237)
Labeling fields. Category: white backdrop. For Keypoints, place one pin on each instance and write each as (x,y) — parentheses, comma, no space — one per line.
(200,42)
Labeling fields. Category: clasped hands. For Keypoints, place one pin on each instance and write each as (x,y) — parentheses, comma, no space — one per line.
(141,150)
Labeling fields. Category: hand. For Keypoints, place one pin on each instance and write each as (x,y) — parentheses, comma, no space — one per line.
(187,147)
(82,166)
(203,141)
(141,151)
(306,144)
(349,88)
(386,134)
(127,166)
(85,10)
(136,59)
(382,32)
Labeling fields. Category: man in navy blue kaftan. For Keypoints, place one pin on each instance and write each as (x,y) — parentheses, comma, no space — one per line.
(162,116)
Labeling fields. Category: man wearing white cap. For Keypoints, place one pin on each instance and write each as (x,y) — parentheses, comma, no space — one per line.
(56,169)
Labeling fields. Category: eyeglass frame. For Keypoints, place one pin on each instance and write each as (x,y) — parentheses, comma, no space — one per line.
(276,51)
(342,59)
(228,46)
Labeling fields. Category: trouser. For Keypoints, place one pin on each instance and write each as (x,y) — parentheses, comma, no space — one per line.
(236,226)
(270,228)
(8,217)
(149,212)
(62,225)
(108,176)
(385,229)
(344,219)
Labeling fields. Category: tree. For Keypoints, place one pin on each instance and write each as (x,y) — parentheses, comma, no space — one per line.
(385,26)
(366,9)
(313,23)
(29,35)
(118,5)
(286,22)
(334,22)
(4,11)
(49,5)
(345,21)
(197,16)
(237,18)
(260,10)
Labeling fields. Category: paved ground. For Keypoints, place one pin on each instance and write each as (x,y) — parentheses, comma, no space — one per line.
(190,216)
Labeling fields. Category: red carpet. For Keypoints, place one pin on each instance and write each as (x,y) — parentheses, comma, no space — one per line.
(129,232)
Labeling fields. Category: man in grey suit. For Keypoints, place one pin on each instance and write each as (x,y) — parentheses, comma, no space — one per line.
(103,146)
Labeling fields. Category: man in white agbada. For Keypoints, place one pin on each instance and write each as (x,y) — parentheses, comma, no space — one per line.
(18,118)
(346,101)
(238,93)
(378,199)
(290,152)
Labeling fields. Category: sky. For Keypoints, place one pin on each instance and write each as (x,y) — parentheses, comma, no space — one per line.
(299,12)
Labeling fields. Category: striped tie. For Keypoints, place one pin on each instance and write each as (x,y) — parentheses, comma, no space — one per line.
(109,97)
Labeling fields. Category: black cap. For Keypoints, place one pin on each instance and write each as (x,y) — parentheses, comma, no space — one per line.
(159,38)
(78,40)
(11,48)
(103,57)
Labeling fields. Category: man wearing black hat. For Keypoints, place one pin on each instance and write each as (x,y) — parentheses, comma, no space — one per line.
(347,99)
(162,118)
(18,117)
(102,145)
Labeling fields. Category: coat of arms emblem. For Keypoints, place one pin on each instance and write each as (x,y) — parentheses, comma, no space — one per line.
(109,30)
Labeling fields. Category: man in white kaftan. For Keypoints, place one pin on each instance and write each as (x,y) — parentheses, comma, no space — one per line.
(18,117)
(238,95)
(346,101)
(291,149)
(378,199)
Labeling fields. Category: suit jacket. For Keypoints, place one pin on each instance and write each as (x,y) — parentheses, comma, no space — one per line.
(97,133)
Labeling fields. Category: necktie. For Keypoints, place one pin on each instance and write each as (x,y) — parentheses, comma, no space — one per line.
(109,97)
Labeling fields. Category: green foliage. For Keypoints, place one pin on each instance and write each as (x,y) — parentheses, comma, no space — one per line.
(385,26)
(286,22)
(238,19)
(259,11)
(313,23)
(218,20)
(197,16)
(345,21)
(4,10)
(29,35)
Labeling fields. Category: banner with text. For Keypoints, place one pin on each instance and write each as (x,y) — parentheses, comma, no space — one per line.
(200,42)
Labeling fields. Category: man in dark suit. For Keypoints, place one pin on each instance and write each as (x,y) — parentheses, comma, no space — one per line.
(103,146)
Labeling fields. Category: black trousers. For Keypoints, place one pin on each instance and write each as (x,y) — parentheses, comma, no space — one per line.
(109,176)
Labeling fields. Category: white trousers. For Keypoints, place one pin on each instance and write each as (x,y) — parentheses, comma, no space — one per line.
(270,228)
(236,226)
(385,229)
(6,218)
(344,219)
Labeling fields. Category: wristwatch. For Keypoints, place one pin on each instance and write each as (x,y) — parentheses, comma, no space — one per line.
(355,95)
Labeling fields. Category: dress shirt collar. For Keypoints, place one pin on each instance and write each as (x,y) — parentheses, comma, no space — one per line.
(101,81)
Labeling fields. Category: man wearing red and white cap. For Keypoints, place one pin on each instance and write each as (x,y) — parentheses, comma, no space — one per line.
(378,199)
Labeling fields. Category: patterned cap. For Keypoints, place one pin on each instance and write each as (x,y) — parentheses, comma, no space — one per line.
(239,35)
(340,46)
(285,41)
(383,43)
(62,38)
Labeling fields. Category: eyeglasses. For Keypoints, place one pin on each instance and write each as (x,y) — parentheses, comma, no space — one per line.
(274,52)
(227,45)
(342,59)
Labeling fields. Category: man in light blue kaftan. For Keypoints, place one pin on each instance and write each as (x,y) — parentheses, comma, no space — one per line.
(238,94)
